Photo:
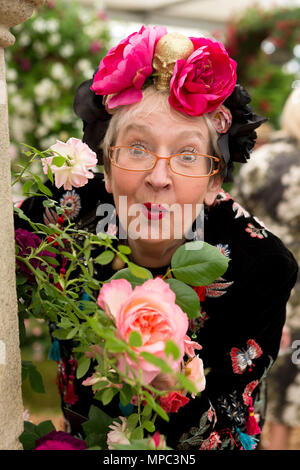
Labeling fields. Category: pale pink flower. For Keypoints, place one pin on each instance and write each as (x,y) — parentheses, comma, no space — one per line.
(221,119)
(195,373)
(119,433)
(79,160)
(150,310)
(190,346)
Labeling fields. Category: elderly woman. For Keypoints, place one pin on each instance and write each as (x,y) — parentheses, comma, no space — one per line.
(167,120)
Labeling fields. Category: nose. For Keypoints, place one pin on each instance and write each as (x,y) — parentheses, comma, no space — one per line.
(160,176)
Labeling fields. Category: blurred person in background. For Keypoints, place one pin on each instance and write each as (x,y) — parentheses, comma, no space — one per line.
(270,186)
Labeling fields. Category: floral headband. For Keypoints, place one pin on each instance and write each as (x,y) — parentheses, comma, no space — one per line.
(197,72)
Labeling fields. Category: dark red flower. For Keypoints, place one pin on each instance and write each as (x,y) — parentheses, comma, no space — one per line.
(59,440)
(26,240)
(173,401)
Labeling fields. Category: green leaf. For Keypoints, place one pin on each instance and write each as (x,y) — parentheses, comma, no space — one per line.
(198,263)
(158,409)
(172,349)
(28,440)
(83,366)
(127,274)
(126,394)
(186,297)
(164,367)
(58,161)
(60,334)
(135,339)
(27,185)
(124,249)
(98,422)
(137,433)
(105,258)
(149,426)
(138,271)
(45,427)
(35,380)
(132,421)
(107,396)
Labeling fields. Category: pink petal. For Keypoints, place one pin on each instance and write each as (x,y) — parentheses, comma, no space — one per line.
(129,96)
(113,295)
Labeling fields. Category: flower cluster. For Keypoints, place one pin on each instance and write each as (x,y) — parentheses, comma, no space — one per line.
(199,84)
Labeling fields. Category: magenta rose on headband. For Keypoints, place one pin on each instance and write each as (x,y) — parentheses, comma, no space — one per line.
(151,311)
(123,71)
(202,82)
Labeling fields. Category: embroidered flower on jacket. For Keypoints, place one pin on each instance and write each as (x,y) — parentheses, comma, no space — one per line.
(256,232)
(71,201)
(212,442)
(222,196)
(224,249)
(218,288)
(243,359)
(240,211)
(248,392)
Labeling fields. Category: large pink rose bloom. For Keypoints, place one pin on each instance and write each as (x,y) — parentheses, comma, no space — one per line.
(149,309)
(202,82)
(75,172)
(123,71)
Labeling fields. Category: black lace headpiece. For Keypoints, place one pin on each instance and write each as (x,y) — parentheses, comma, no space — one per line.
(235,145)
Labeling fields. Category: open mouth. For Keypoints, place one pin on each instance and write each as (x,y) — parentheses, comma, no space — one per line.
(154,211)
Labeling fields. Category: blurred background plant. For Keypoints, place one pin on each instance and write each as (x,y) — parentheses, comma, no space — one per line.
(266,46)
(55,51)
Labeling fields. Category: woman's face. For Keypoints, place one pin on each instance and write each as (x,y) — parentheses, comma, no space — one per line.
(164,134)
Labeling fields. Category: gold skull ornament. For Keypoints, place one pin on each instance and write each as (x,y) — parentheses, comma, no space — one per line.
(170,48)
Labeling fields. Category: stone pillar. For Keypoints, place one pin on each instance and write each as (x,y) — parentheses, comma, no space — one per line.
(12,12)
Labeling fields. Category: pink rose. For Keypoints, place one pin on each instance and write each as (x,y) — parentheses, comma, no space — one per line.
(202,82)
(123,71)
(79,160)
(195,373)
(173,401)
(59,440)
(150,310)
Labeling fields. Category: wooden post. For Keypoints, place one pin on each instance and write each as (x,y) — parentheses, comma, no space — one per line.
(12,12)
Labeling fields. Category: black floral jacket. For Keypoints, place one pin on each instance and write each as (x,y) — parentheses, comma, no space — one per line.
(242,315)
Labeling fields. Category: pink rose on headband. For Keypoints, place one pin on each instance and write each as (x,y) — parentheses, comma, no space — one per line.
(75,170)
(202,82)
(123,71)
(150,310)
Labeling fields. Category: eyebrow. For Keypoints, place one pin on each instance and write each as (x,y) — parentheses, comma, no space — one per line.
(183,134)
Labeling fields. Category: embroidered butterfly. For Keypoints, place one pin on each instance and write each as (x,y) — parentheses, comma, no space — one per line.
(242,359)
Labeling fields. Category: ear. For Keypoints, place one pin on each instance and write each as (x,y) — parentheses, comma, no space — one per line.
(107,180)
(213,188)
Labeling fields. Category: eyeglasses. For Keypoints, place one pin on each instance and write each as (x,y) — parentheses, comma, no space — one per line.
(186,164)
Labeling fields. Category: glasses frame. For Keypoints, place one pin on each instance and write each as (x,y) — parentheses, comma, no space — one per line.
(214,172)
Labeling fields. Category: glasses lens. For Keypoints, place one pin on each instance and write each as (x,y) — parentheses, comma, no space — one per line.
(190,164)
(133,158)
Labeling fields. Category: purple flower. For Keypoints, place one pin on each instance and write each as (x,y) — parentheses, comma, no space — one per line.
(26,240)
(59,440)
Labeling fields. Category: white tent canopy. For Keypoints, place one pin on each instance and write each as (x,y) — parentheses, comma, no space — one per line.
(195,14)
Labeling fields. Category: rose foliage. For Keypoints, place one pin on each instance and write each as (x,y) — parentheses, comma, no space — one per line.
(132,326)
